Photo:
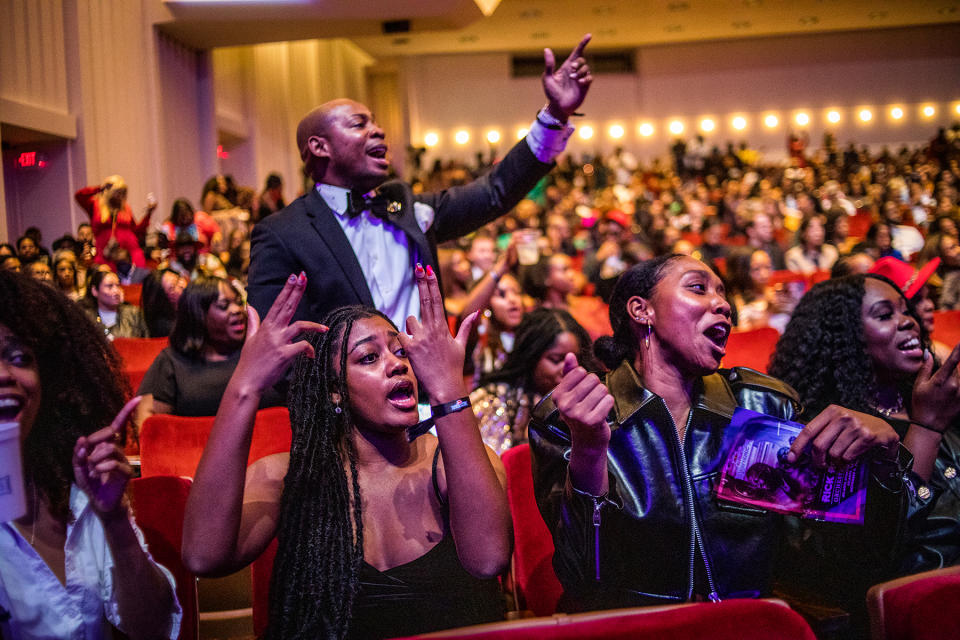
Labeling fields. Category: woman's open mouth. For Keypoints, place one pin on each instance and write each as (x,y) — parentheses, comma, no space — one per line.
(911,347)
(403,396)
(10,407)
(717,334)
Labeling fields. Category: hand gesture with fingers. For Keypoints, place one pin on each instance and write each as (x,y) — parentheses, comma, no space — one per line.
(584,403)
(936,396)
(566,86)
(100,469)
(435,355)
(269,349)
(843,435)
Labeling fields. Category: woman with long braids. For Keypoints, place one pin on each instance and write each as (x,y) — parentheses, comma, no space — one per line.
(379,536)
(858,342)
(624,469)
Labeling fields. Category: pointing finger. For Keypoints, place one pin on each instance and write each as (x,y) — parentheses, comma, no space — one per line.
(578,51)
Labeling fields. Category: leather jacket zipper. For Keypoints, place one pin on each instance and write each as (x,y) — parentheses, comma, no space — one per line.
(696,540)
(597,505)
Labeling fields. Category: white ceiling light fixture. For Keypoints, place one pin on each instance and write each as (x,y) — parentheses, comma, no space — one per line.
(487,7)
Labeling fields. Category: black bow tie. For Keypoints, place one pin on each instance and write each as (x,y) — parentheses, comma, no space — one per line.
(378,204)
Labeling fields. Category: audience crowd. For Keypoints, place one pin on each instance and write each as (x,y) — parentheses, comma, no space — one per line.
(848,253)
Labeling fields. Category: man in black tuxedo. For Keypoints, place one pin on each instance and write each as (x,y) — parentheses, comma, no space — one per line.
(356,249)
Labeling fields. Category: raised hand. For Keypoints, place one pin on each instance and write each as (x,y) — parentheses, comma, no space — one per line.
(936,396)
(269,350)
(100,469)
(566,86)
(435,355)
(843,435)
(584,403)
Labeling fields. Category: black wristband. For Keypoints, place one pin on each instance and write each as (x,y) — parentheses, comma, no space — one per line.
(440,410)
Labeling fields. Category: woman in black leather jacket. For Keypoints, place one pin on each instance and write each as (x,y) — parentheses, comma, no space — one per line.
(857,341)
(624,470)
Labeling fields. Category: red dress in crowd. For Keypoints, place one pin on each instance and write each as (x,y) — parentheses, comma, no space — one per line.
(123,227)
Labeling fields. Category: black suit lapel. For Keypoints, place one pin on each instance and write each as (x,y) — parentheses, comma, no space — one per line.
(324,222)
(407,221)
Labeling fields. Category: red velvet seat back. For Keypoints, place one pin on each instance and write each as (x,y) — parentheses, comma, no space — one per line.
(729,620)
(925,606)
(132,293)
(784,276)
(751,348)
(260,572)
(173,445)
(946,327)
(137,354)
(536,581)
(158,506)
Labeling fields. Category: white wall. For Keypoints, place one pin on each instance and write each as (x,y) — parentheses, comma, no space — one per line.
(878,69)
(96,86)
(263,91)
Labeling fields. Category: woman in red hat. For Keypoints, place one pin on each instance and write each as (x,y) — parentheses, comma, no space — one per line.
(915,286)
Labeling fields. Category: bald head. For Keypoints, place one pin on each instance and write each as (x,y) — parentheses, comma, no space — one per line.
(341,144)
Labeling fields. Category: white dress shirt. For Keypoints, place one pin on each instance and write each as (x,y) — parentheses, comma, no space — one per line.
(41,607)
(383,250)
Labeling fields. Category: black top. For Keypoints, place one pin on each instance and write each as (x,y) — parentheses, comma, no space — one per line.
(192,387)
(430,593)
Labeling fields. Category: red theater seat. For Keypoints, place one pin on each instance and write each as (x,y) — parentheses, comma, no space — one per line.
(728,620)
(158,506)
(132,293)
(260,572)
(751,348)
(920,607)
(137,354)
(173,445)
(785,276)
(536,584)
(946,327)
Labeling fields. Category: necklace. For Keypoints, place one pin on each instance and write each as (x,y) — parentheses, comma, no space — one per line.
(897,407)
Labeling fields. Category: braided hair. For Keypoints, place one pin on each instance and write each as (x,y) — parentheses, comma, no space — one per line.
(81,383)
(823,352)
(320,540)
(638,280)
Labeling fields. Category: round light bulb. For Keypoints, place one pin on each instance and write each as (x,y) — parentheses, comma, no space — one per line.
(707,125)
(833,116)
(771,121)
(431,139)
(616,131)
(676,127)
(739,123)
(646,129)
(522,133)
(896,113)
(586,132)
(462,136)
(802,119)
(928,111)
(866,115)
(493,136)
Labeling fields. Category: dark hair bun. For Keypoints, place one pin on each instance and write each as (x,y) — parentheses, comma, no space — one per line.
(610,352)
